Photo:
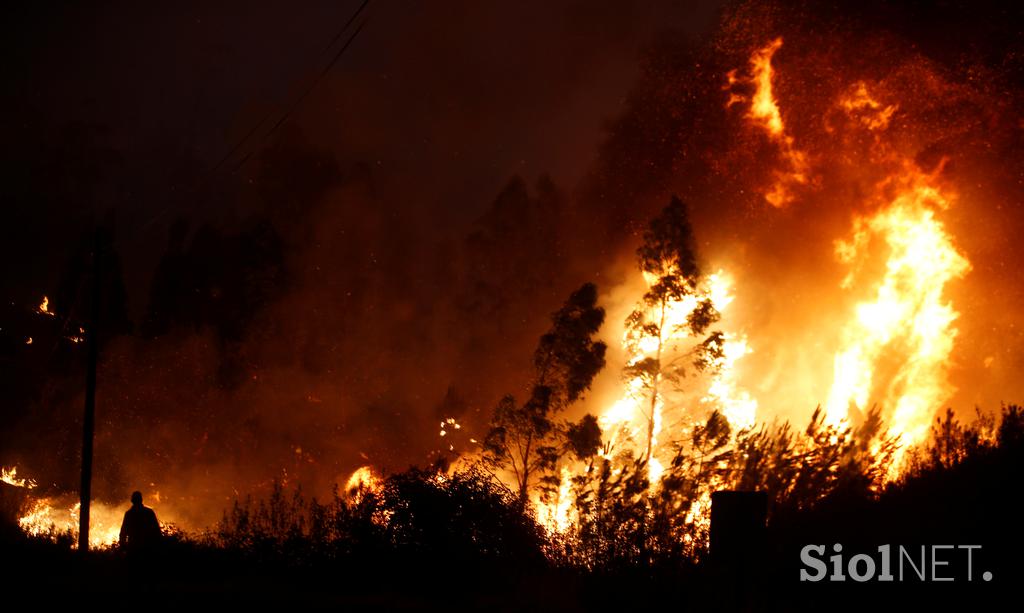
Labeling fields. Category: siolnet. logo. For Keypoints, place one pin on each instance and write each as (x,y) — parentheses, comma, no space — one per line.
(924,563)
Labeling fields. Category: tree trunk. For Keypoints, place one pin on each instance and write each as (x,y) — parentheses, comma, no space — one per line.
(655,380)
(525,482)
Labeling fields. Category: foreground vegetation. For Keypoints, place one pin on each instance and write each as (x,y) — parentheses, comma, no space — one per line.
(464,539)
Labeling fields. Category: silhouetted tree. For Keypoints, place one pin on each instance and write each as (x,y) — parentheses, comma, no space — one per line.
(1010,434)
(584,437)
(952,442)
(522,437)
(465,516)
(668,255)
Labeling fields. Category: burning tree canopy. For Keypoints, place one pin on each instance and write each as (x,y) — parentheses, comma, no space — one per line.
(523,439)
(677,307)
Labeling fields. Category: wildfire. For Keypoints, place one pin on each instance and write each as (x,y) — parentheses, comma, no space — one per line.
(724,392)
(764,113)
(53,517)
(449,423)
(78,338)
(908,316)
(893,347)
(44,307)
(628,418)
(907,321)
(738,406)
(363,479)
(636,421)
(763,108)
(10,477)
(558,514)
(58,516)
(871,113)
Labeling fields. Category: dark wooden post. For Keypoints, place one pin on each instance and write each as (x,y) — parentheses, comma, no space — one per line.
(737,525)
(89,419)
(737,546)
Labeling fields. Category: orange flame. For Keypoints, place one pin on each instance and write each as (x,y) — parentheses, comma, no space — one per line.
(763,108)
(10,477)
(363,480)
(52,517)
(908,316)
(871,113)
(44,307)
(764,113)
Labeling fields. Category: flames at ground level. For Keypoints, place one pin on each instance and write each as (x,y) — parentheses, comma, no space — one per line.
(892,347)
(57,516)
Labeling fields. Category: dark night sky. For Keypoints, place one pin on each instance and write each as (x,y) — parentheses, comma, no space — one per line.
(452,99)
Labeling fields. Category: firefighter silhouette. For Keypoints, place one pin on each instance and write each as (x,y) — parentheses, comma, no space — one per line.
(140,530)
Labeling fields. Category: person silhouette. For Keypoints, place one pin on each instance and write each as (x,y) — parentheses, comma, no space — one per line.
(140,530)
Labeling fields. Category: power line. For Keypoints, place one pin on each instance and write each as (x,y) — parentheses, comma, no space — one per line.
(238,145)
(208,175)
(306,93)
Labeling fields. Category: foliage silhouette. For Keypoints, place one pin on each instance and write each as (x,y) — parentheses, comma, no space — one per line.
(423,529)
(524,439)
(668,257)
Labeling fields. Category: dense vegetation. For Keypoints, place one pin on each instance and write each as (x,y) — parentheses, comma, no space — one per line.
(465,539)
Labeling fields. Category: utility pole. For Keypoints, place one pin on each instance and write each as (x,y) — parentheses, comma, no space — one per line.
(89,419)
